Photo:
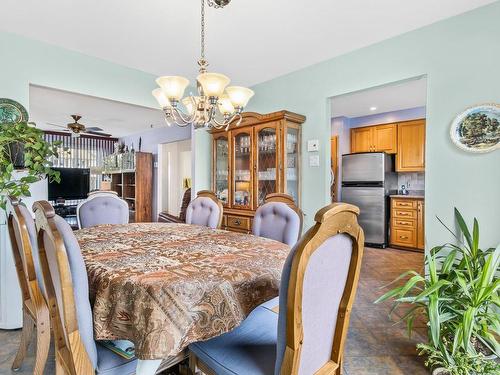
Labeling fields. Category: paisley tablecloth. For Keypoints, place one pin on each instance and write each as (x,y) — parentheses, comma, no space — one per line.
(164,286)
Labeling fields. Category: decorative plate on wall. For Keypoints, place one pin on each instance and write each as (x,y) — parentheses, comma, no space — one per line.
(477,129)
(12,112)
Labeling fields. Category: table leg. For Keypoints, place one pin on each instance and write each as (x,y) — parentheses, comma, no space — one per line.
(147,366)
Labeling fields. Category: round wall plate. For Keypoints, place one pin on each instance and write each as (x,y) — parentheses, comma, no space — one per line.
(477,129)
(12,112)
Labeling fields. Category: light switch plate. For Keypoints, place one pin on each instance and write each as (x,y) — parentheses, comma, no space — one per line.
(314,160)
(312,145)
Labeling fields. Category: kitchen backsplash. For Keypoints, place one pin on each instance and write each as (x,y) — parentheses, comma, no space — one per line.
(414,181)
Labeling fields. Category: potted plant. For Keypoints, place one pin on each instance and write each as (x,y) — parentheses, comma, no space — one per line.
(23,145)
(459,298)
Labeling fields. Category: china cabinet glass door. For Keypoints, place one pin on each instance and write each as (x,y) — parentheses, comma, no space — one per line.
(266,163)
(292,154)
(221,178)
(242,169)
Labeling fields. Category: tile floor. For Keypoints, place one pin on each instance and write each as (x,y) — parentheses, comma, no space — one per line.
(375,346)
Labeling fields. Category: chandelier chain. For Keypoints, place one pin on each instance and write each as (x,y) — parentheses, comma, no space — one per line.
(203,29)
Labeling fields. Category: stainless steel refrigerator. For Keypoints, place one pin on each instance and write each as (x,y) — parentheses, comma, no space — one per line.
(368,179)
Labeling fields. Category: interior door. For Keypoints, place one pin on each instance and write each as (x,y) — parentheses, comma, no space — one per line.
(334,167)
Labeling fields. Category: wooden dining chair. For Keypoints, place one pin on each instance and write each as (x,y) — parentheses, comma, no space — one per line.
(165,217)
(205,210)
(303,331)
(35,310)
(102,207)
(67,289)
(279,219)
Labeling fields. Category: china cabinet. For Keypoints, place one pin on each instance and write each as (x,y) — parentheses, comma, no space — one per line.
(259,157)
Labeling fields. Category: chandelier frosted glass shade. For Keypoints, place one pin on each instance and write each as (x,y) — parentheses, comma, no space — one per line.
(213,84)
(173,86)
(161,98)
(239,96)
(225,106)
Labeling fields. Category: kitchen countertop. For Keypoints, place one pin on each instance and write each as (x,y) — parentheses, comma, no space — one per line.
(410,196)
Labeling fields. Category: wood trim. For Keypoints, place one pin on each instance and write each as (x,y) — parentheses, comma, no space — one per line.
(35,309)
(212,196)
(71,356)
(252,118)
(333,219)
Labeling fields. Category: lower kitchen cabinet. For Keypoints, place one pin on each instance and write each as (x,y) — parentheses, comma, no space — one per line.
(407,223)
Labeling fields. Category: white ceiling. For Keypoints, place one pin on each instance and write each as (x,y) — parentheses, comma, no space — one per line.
(388,98)
(250,40)
(118,119)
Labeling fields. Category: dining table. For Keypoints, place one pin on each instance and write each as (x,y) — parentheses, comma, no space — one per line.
(163,286)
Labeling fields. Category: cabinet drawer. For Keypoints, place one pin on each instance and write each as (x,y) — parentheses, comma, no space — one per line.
(224,221)
(239,222)
(404,203)
(403,237)
(404,223)
(404,214)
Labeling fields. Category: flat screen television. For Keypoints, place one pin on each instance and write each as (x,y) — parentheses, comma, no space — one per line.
(75,184)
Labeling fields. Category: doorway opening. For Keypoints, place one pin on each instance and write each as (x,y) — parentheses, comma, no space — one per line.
(174,175)
(378,160)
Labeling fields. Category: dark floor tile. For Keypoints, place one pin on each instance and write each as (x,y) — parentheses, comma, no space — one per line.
(372,365)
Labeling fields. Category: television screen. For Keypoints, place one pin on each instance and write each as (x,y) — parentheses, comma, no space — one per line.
(75,184)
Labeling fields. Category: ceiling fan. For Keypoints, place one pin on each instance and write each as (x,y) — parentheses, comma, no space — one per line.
(75,128)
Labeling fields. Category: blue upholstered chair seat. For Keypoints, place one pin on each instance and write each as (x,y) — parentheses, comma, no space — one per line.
(249,349)
(109,363)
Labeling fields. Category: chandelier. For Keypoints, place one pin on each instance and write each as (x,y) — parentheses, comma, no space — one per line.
(215,106)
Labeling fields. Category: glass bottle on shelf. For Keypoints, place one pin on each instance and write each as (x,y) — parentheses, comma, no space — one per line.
(242,170)
(266,161)
(292,163)
(222,169)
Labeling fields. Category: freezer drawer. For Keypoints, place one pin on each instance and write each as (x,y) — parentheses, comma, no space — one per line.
(372,218)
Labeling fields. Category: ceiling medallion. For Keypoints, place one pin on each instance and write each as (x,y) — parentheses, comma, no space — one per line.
(217,105)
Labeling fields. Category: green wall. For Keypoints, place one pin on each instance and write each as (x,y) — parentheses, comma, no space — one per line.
(461,58)
(24,61)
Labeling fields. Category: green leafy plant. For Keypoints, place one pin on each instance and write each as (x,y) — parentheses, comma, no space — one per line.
(459,298)
(26,139)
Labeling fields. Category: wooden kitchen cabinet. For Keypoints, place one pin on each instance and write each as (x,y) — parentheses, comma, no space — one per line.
(385,138)
(407,223)
(375,139)
(420,225)
(411,146)
(361,139)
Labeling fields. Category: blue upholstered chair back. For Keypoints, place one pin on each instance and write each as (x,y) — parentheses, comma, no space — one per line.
(104,208)
(204,210)
(81,308)
(325,264)
(276,220)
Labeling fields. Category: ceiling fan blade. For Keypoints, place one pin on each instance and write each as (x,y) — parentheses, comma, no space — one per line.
(97,133)
(94,129)
(59,126)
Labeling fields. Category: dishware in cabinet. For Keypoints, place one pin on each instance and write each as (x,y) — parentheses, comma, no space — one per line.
(221,168)
(243,165)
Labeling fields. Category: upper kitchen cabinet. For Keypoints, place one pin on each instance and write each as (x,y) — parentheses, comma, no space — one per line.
(411,146)
(385,138)
(375,139)
(361,139)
